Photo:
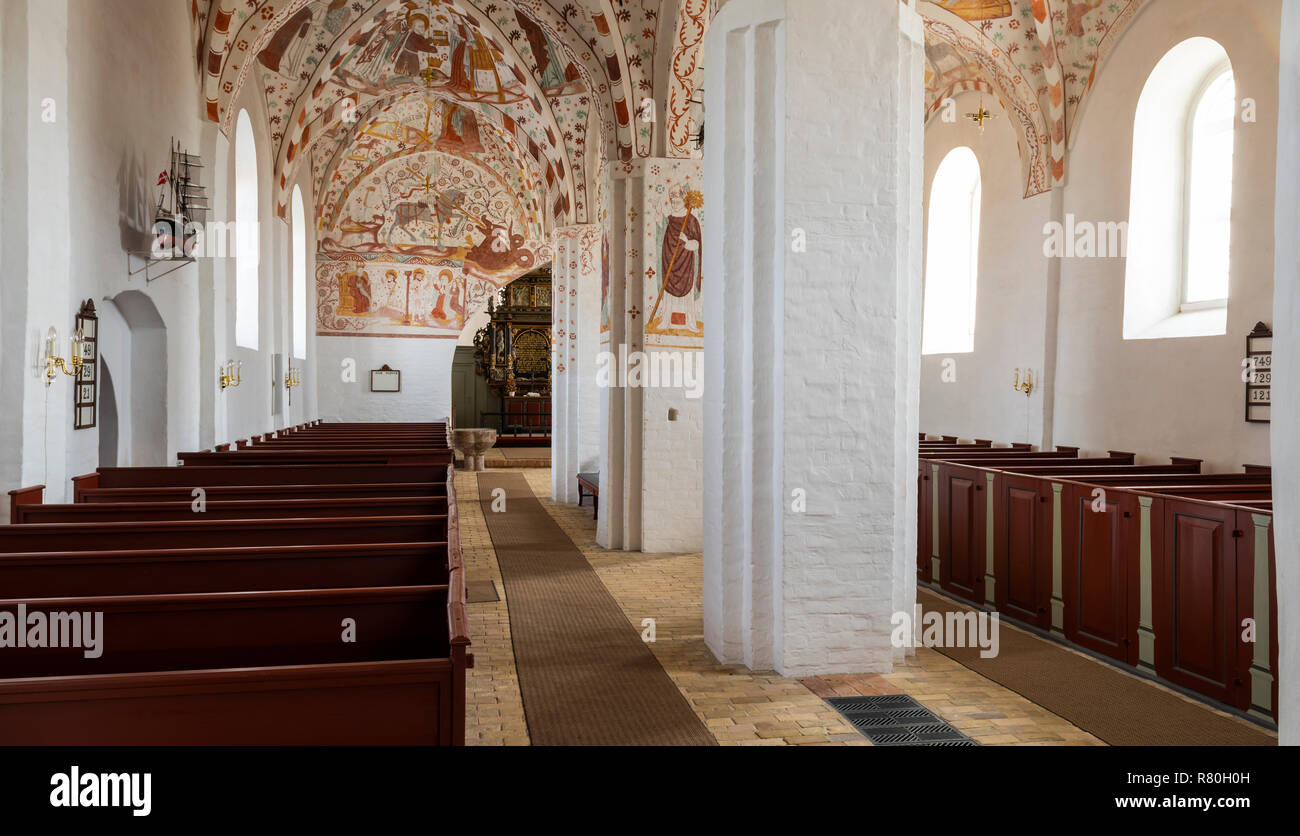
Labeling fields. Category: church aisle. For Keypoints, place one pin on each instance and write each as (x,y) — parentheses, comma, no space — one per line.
(494,711)
(586,676)
(737,706)
(744,708)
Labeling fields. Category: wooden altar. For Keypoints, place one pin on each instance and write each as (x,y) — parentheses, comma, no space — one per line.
(513,354)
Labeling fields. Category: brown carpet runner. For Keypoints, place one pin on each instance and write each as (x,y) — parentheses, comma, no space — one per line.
(1113,706)
(586,677)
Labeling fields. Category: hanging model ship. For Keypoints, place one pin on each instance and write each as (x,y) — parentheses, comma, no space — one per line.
(182,207)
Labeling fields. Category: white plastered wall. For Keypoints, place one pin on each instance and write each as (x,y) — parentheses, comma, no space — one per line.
(971,396)
(1157,398)
(79,193)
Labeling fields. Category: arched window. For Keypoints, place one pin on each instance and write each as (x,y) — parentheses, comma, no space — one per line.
(247,235)
(952,255)
(1209,193)
(1180,205)
(299,220)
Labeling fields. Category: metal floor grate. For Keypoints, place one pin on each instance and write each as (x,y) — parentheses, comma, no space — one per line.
(898,720)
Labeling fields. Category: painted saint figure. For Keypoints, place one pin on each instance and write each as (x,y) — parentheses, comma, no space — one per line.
(681,263)
(361,293)
(410,58)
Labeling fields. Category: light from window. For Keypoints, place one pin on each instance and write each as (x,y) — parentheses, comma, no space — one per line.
(952,255)
(1180,196)
(1209,193)
(299,220)
(248,236)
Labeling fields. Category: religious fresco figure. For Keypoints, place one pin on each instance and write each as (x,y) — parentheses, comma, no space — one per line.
(439,286)
(394,293)
(555,75)
(285,51)
(418,43)
(681,262)
(361,293)
(421,304)
(460,131)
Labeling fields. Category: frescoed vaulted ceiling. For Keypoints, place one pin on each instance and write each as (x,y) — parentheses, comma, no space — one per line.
(533,95)
(1038,57)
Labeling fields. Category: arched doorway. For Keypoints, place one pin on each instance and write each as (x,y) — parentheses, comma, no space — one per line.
(133,343)
(108,440)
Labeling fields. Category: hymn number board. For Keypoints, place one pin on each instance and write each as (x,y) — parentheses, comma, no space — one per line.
(1259,375)
(86,389)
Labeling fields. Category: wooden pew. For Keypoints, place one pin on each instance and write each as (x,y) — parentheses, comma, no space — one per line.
(1152,565)
(247,509)
(197,534)
(260,457)
(227,628)
(25,576)
(261,492)
(402,701)
(297,474)
(241,629)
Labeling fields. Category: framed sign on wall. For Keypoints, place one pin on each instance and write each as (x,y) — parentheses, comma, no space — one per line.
(1259,375)
(85,391)
(385,380)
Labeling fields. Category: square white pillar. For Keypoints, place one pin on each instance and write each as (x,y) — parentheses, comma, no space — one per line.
(811,331)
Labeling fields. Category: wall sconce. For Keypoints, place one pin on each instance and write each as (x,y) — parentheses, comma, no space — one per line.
(231,374)
(54,363)
(293,379)
(1027,386)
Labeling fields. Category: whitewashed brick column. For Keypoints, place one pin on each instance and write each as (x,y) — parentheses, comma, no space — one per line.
(1286,383)
(559,365)
(36,428)
(620,458)
(611,528)
(575,409)
(652,436)
(811,396)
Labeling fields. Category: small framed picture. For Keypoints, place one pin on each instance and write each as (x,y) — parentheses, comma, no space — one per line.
(385,380)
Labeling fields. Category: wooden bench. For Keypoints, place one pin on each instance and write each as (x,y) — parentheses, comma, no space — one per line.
(26,576)
(295,474)
(128,536)
(262,456)
(260,492)
(242,509)
(384,702)
(1151,565)
(227,629)
(241,629)
(589,485)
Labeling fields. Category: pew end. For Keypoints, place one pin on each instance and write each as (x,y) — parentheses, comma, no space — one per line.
(24,496)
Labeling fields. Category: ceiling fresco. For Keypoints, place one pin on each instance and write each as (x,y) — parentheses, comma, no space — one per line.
(1038,57)
(539,94)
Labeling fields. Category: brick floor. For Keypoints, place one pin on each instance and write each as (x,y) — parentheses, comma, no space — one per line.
(739,707)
